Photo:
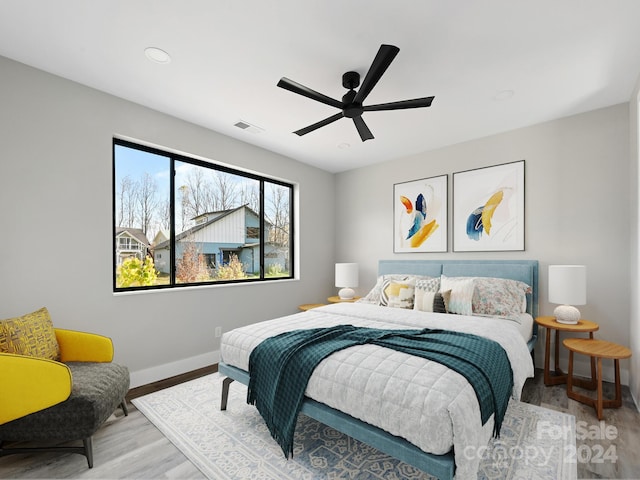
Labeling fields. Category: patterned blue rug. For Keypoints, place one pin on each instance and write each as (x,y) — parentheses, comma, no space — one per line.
(236,445)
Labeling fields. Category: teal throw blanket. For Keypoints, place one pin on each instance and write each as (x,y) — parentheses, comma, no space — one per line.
(280,367)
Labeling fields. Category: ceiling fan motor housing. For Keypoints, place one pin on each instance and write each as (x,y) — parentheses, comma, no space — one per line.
(351,80)
(350,109)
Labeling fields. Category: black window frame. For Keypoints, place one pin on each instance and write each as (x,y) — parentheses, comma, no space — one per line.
(212,165)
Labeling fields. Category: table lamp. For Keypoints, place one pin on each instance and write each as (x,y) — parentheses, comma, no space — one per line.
(568,287)
(346,279)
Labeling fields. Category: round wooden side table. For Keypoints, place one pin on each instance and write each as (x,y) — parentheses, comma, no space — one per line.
(337,299)
(550,323)
(308,306)
(597,349)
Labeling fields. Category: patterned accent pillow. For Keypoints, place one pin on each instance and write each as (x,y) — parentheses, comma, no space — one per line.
(499,296)
(429,284)
(397,293)
(373,297)
(424,286)
(432,301)
(31,335)
(461,293)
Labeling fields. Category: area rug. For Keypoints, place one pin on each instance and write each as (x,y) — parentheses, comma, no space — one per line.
(535,443)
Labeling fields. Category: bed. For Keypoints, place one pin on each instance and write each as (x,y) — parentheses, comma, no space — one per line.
(416,410)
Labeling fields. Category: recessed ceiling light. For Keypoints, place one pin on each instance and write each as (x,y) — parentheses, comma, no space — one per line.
(504,95)
(157,55)
(344,146)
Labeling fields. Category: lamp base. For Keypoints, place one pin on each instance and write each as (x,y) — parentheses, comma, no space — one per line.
(567,314)
(346,293)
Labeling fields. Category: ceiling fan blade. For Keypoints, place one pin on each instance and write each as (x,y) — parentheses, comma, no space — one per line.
(295,87)
(363,130)
(321,123)
(383,59)
(402,104)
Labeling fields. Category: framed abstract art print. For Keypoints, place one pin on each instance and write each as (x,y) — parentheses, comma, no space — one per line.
(420,215)
(488,208)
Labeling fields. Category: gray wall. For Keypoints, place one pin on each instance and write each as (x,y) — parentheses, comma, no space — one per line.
(56,221)
(634,221)
(577,208)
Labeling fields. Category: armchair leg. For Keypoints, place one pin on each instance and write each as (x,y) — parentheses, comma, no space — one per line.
(124,408)
(88,450)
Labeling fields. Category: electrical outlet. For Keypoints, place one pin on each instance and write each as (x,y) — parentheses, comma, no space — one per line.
(218,332)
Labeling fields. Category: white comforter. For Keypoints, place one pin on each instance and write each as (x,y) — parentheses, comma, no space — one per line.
(424,402)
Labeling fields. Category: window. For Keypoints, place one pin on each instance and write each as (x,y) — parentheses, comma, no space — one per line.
(192,222)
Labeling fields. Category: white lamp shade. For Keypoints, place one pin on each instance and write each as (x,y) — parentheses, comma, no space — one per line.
(568,284)
(346,275)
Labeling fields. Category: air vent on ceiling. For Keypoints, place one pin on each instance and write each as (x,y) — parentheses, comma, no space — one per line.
(248,127)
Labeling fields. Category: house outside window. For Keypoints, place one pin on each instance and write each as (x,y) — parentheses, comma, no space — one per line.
(130,243)
(207,223)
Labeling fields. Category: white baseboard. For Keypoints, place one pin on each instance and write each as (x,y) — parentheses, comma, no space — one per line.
(153,374)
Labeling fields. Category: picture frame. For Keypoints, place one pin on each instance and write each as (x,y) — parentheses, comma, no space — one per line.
(420,213)
(488,208)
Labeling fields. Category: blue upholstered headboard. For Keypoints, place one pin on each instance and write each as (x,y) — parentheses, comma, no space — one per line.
(524,270)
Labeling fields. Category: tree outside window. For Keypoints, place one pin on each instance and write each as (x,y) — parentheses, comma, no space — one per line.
(202,223)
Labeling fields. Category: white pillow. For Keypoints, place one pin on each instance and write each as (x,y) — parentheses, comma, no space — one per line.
(461,298)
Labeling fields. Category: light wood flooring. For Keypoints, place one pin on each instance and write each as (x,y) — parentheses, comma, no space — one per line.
(132,448)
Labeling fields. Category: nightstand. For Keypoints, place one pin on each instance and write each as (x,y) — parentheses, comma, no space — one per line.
(583,326)
(337,299)
(596,349)
(309,306)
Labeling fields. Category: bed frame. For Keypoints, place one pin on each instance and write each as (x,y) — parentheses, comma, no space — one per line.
(440,466)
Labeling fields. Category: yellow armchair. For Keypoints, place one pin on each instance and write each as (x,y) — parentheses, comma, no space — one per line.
(37,383)
(48,400)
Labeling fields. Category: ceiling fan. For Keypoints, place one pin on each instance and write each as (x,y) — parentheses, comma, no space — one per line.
(351,104)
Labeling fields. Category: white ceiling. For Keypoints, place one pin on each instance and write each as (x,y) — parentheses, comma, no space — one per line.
(559,57)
